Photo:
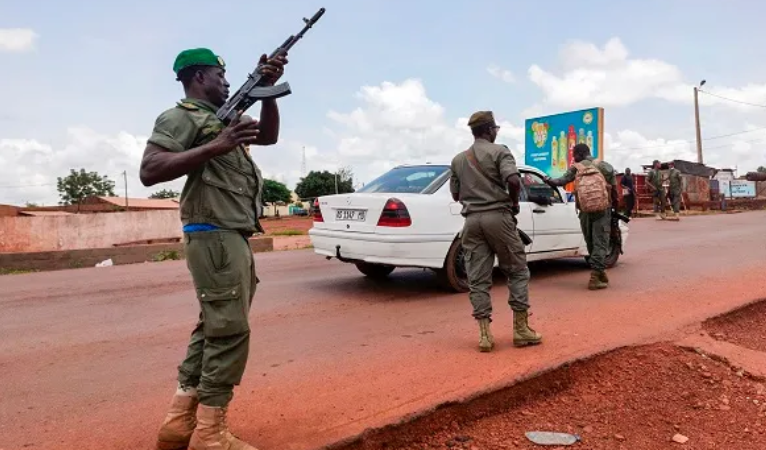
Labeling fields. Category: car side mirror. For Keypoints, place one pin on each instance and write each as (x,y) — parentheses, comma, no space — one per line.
(541,195)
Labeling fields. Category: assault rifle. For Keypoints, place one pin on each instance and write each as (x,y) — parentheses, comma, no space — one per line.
(254,89)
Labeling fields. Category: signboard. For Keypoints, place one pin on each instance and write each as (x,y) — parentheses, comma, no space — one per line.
(550,139)
(738,188)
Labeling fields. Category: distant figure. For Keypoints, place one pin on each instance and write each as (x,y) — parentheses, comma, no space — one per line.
(486,181)
(628,192)
(596,197)
(675,191)
(654,183)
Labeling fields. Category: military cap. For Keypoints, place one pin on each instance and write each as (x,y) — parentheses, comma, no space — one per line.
(196,57)
(481,118)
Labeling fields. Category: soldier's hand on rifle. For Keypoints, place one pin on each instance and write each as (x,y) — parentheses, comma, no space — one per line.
(272,69)
(243,130)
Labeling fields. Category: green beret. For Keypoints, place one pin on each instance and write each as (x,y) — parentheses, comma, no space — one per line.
(196,57)
(481,118)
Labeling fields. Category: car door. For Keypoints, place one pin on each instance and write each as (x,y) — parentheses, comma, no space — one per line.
(556,226)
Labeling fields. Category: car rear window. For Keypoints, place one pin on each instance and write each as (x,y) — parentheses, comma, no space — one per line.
(411,180)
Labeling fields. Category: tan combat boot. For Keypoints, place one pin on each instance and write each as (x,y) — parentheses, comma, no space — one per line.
(179,423)
(675,217)
(602,277)
(212,432)
(522,334)
(596,282)
(486,341)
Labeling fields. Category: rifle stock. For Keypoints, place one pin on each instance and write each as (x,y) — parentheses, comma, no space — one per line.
(253,89)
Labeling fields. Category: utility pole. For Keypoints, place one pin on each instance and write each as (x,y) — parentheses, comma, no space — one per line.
(697,121)
(125,176)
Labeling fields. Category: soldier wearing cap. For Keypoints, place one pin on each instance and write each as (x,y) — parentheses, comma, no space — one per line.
(486,181)
(220,206)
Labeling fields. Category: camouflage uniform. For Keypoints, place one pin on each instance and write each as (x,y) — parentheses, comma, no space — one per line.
(596,226)
(219,207)
(658,195)
(490,230)
(676,190)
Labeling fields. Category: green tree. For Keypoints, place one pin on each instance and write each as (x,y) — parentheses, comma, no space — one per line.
(165,193)
(316,184)
(762,169)
(77,186)
(274,191)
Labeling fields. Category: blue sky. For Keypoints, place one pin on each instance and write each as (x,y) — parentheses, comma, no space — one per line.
(86,90)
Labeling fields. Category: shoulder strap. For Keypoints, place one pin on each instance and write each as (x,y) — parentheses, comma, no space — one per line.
(470,155)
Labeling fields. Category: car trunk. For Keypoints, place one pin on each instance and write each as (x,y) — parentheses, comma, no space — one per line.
(355,213)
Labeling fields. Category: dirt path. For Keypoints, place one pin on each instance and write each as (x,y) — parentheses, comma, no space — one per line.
(88,357)
(650,397)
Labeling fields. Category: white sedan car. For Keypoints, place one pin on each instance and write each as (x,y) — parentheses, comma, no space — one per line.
(407,218)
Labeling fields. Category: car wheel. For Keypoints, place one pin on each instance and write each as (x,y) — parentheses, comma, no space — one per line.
(453,276)
(611,258)
(376,271)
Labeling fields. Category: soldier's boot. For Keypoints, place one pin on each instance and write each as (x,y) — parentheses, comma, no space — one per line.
(486,341)
(675,217)
(596,282)
(179,423)
(660,216)
(212,432)
(602,277)
(523,335)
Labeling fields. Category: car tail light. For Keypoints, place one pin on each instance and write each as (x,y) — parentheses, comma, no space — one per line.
(317,212)
(394,214)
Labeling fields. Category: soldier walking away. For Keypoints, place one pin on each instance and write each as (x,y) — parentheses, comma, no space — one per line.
(628,192)
(675,190)
(220,205)
(654,183)
(486,181)
(595,198)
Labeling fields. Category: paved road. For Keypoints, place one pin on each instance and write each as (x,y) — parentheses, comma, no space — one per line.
(88,357)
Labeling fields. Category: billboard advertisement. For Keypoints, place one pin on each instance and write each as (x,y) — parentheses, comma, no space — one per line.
(550,139)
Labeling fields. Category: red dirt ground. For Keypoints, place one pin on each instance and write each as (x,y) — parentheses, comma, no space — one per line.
(745,327)
(272,225)
(632,398)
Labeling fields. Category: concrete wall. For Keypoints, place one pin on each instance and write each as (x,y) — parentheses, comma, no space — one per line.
(74,259)
(83,231)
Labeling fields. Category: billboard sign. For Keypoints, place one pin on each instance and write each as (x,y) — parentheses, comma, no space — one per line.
(550,139)
(738,189)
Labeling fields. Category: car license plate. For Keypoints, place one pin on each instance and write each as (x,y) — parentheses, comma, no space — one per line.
(350,215)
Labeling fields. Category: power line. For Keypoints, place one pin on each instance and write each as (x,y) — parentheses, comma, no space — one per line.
(732,100)
(685,142)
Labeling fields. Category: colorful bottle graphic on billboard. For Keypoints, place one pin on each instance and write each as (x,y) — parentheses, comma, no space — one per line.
(550,139)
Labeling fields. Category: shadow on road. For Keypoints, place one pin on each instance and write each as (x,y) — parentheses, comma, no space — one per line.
(422,284)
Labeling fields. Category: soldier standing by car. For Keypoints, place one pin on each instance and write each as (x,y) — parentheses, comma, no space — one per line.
(482,178)
(595,197)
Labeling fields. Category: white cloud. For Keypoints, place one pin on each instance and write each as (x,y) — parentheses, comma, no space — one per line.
(502,74)
(399,124)
(29,168)
(608,76)
(628,148)
(17,39)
